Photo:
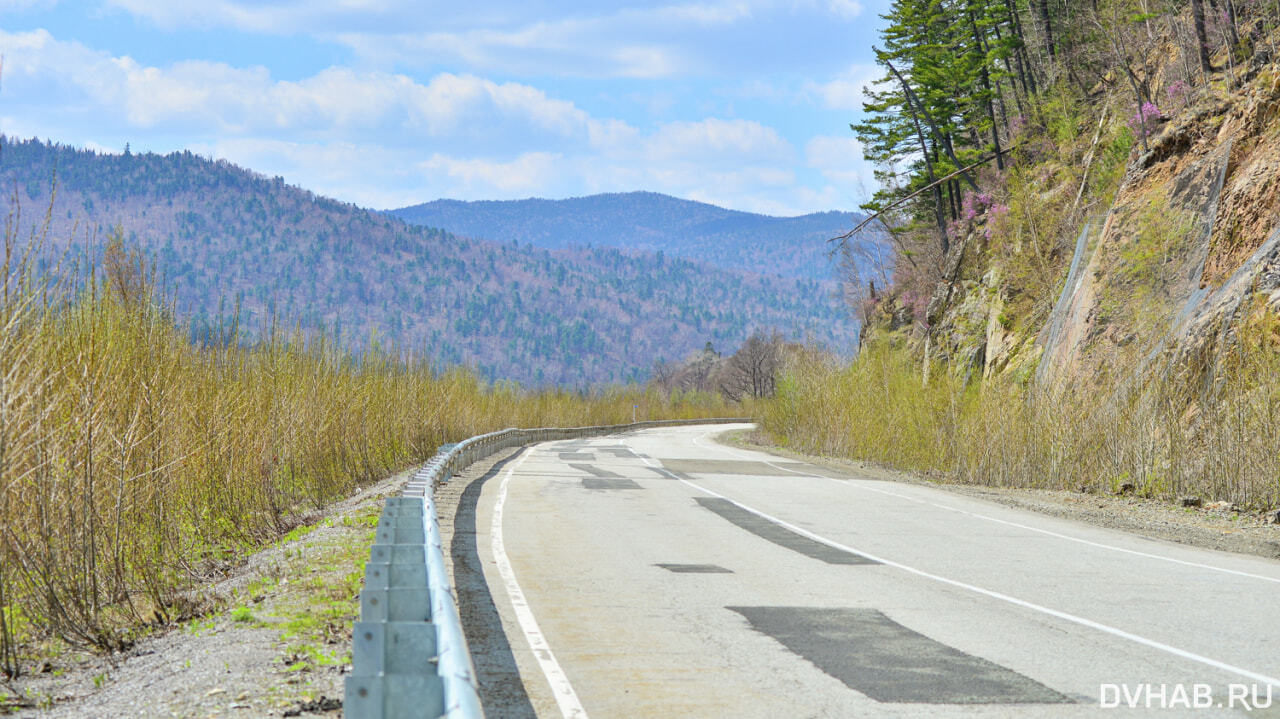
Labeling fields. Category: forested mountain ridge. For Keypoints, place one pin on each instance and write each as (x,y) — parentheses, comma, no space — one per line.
(649,221)
(218,234)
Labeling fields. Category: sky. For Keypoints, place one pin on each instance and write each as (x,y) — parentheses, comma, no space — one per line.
(744,104)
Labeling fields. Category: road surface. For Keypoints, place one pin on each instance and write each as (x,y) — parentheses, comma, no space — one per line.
(661,574)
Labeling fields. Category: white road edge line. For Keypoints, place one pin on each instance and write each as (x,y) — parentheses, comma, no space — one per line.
(863,488)
(561,688)
(1231,668)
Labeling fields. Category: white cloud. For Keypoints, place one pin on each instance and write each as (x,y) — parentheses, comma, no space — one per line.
(735,140)
(840,162)
(208,95)
(527,174)
(846,90)
(847,9)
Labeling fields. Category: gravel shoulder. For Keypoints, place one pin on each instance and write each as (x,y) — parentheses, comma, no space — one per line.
(1220,528)
(276,643)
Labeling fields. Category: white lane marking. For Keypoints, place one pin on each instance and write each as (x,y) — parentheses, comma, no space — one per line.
(1231,668)
(864,488)
(566,697)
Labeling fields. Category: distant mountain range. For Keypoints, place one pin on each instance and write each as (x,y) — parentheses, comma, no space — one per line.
(648,221)
(219,234)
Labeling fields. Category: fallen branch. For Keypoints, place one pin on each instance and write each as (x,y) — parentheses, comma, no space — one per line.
(929,186)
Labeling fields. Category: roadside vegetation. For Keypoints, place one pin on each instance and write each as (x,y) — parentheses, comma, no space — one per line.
(137,465)
(1151,441)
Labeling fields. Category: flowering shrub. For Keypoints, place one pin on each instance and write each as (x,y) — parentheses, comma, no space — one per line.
(974,203)
(1145,119)
(996,215)
(1179,91)
(915,301)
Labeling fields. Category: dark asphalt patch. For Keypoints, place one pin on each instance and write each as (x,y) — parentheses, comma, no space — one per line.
(577,456)
(595,471)
(622,453)
(780,535)
(609,483)
(663,473)
(888,662)
(725,466)
(695,568)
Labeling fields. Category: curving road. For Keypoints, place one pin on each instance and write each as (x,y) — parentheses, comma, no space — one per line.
(660,574)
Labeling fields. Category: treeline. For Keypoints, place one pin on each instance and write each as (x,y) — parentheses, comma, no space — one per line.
(750,373)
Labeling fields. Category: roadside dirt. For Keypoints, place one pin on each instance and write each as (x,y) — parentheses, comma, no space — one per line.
(1220,529)
(277,644)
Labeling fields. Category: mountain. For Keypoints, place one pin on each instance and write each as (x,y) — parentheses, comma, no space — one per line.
(219,235)
(789,246)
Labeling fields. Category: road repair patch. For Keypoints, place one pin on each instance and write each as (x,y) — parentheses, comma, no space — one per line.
(609,483)
(888,662)
(595,471)
(733,466)
(695,568)
(780,535)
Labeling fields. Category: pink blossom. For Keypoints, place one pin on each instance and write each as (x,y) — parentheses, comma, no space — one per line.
(1145,119)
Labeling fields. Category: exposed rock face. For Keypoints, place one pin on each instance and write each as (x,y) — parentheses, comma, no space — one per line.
(1144,266)
(1220,165)
(1208,328)
(1161,280)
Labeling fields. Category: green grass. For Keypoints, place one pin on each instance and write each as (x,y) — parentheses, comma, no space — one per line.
(243,615)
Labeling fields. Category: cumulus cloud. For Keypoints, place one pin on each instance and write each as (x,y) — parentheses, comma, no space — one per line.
(716,138)
(845,8)
(846,90)
(527,174)
(219,97)
(840,162)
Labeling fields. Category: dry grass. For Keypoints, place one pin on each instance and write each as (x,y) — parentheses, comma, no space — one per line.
(135,464)
(1164,439)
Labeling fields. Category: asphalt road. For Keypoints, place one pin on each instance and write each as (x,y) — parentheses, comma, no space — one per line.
(661,574)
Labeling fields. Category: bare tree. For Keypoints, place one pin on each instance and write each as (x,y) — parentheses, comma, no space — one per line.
(752,371)
(1202,37)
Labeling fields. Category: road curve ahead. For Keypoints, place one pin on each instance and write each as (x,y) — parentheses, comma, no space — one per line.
(661,574)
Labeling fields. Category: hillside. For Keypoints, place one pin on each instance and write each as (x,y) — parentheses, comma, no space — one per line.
(218,234)
(1088,291)
(789,246)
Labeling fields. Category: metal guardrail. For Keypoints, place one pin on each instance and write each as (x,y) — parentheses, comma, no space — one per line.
(409,655)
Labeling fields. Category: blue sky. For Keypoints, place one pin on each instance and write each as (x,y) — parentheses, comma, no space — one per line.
(385,103)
